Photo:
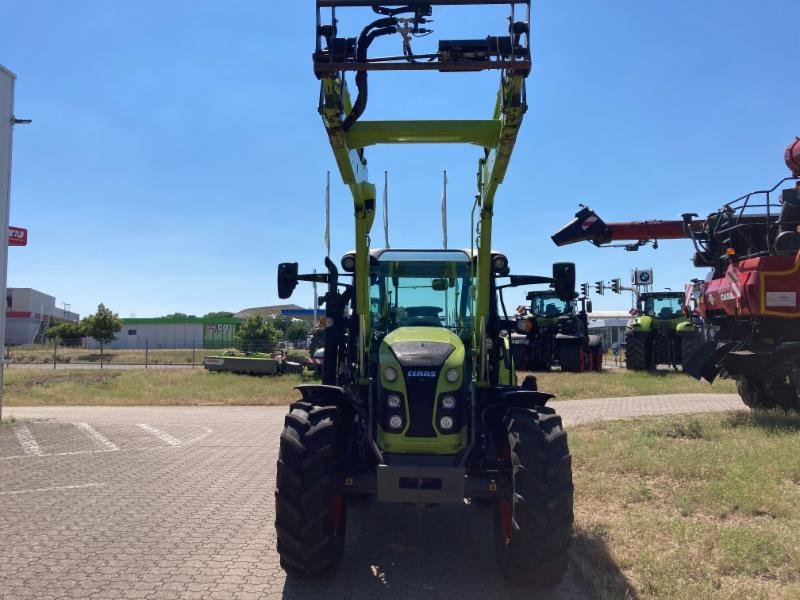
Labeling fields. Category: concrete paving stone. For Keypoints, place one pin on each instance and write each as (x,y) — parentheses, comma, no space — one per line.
(155,521)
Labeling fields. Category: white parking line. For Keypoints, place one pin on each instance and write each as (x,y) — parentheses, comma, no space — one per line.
(27,441)
(53,489)
(99,439)
(162,435)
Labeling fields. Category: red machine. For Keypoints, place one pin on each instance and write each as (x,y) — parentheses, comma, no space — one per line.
(750,299)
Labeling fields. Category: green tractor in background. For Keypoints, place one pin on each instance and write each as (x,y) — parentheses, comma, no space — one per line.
(553,331)
(661,333)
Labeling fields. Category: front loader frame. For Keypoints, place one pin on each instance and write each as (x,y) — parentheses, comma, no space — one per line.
(348,135)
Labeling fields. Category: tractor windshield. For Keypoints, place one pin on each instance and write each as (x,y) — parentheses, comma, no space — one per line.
(664,307)
(430,288)
(548,305)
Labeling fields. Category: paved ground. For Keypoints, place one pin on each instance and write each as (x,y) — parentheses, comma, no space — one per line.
(177,503)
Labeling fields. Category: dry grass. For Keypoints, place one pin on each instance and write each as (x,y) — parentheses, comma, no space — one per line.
(158,387)
(618,382)
(179,387)
(689,507)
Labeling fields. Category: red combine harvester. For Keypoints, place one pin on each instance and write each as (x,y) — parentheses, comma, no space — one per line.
(749,300)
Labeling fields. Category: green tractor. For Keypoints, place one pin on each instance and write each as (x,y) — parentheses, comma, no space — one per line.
(419,402)
(661,333)
(556,331)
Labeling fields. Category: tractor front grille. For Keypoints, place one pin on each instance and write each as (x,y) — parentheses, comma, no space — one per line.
(421,402)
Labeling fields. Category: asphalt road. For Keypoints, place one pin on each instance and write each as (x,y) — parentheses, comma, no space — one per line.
(177,503)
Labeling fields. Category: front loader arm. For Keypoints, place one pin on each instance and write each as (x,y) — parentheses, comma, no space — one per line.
(349,134)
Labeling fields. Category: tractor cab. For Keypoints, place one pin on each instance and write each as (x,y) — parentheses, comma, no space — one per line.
(547,304)
(421,314)
(420,288)
(663,306)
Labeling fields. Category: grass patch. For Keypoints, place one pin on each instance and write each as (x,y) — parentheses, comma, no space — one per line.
(162,387)
(617,383)
(686,507)
(7,422)
(187,387)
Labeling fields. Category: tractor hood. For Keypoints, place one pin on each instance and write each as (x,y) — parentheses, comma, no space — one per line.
(423,346)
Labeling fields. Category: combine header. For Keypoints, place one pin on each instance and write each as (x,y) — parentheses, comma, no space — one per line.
(750,297)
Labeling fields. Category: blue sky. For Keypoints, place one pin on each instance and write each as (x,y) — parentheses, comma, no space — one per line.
(176,155)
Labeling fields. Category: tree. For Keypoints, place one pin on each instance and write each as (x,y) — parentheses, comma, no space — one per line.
(218,314)
(102,326)
(68,332)
(256,334)
(177,315)
(297,331)
(281,323)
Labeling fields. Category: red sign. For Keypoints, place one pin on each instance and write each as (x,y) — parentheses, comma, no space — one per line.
(17,236)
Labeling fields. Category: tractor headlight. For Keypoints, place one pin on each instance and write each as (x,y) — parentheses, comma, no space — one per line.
(448,402)
(349,263)
(396,422)
(393,401)
(390,374)
(499,263)
(446,423)
(451,375)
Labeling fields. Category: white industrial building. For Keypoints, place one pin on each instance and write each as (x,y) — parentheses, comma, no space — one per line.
(166,332)
(28,315)
(610,324)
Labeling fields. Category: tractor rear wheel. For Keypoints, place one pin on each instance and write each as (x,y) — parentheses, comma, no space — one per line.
(638,354)
(533,528)
(596,351)
(689,345)
(310,512)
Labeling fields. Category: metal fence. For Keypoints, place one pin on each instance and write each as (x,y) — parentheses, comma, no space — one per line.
(54,354)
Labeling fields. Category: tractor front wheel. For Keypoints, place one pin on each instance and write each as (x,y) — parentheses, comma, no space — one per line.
(310,512)
(533,528)
(570,357)
(753,394)
(638,354)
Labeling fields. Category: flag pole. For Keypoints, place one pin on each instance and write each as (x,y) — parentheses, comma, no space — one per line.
(386,207)
(328,215)
(444,211)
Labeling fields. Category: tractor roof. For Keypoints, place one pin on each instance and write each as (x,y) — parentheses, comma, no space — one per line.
(410,255)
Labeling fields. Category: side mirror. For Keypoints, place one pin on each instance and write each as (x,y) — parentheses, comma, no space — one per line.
(440,285)
(589,306)
(287,279)
(564,281)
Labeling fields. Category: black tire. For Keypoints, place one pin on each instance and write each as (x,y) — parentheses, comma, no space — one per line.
(310,511)
(638,353)
(533,531)
(597,358)
(569,357)
(753,394)
(690,343)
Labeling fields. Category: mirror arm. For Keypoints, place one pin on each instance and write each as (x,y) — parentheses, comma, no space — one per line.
(519,280)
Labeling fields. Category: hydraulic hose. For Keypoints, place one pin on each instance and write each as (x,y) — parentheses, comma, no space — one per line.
(373,30)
